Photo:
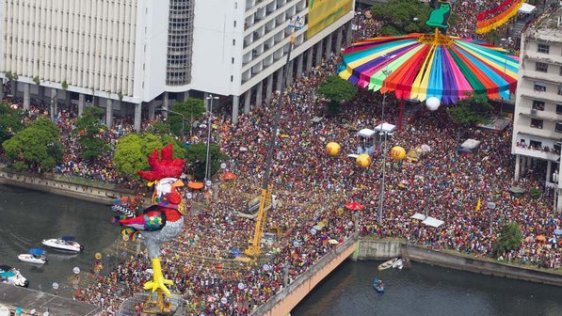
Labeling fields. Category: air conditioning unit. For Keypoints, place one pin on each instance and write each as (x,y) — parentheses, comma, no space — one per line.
(533,111)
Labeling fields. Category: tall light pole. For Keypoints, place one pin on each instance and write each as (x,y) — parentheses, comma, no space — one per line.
(381,199)
(182,119)
(209,122)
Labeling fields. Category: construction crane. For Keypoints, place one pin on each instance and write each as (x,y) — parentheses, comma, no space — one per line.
(254,249)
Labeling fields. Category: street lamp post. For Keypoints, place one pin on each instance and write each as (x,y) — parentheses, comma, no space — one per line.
(182,119)
(209,122)
(381,200)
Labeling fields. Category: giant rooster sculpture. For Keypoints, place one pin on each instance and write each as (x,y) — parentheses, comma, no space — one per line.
(163,221)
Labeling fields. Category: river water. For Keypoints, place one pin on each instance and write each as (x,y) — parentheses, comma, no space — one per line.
(426,290)
(27,217)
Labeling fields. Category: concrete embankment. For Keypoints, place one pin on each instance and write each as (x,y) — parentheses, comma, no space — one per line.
(61,187)
(373,249)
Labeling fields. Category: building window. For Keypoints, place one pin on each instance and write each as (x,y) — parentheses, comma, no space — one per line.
(536,123)
(234,23)
(541,67)
(558,108)
(560,71)
(538,105)
(233,42)
(558,127)
(231,78)
(543,48)
(540,87)
(559,90)
(535,144)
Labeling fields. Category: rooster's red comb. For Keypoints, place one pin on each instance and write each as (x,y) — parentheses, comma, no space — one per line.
(164,166)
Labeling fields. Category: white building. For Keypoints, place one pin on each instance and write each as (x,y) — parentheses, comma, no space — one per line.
(537,128)
(133,55)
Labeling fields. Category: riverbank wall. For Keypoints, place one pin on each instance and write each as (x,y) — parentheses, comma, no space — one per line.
(50,184)
(374,249)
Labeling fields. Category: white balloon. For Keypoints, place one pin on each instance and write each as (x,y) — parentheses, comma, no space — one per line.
(55,286)
(432,103)
(223,165)
(76,270)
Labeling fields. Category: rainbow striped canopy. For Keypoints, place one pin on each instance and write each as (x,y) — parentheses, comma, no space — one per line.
(418,66)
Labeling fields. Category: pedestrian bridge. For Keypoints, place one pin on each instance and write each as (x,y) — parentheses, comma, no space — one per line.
(289,297)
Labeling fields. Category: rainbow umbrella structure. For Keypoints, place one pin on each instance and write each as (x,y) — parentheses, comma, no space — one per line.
(418,66)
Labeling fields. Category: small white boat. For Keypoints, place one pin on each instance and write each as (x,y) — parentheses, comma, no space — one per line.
(398,264)
(392,263)
(66,243)
(12,276)
(35,255)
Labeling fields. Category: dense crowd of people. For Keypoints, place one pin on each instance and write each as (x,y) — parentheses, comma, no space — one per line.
(468,191)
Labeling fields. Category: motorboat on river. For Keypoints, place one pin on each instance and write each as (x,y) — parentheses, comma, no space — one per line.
(35,255)
(65,243)
(392,263)
(10,275)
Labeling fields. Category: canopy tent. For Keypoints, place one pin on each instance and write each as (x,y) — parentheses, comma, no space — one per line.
(36,252)
(433,222)
(526,8)
(470,145)
(418,66)
(418,216)
(354,206)
(516,190)
(367,133)
(386,127)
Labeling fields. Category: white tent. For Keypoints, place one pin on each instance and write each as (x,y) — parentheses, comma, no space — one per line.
(526,8)
(367,133)
(433,222)
(385,127)
(419,216)
(470,144)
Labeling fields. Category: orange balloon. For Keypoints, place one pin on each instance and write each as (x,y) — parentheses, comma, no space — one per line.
(398,153)
(363,160)
(333,149)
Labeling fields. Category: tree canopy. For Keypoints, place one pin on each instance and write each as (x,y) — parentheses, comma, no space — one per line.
(470,111)
(510,238)
(89,128)
(10,122)
(192,110)
(337,90)
(196,155)
(132,150)
(37,145)
(401,17)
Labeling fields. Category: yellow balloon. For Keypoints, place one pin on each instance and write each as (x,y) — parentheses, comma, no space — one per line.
(98,256)
(363,160)
(397,153)
(333,149)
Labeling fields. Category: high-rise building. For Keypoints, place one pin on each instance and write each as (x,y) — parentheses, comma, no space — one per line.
(537,127)
(130,56)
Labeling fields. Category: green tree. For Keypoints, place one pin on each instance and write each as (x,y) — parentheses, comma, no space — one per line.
(470,111)
(89,128)
(36,145)
(336,90)
(10,122)
(402,16)
(196,155)
(509,239)
(132,151)
(192,110)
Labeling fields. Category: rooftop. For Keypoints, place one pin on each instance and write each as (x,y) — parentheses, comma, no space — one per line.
(548,26)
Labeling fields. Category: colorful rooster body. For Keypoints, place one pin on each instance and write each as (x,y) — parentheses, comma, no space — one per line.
(163,221)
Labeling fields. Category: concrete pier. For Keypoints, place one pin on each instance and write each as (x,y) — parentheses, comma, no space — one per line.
(27,299)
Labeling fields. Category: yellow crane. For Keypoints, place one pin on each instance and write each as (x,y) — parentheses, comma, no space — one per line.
(254,249)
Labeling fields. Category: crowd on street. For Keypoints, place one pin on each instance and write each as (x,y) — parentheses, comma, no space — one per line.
(466,190)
